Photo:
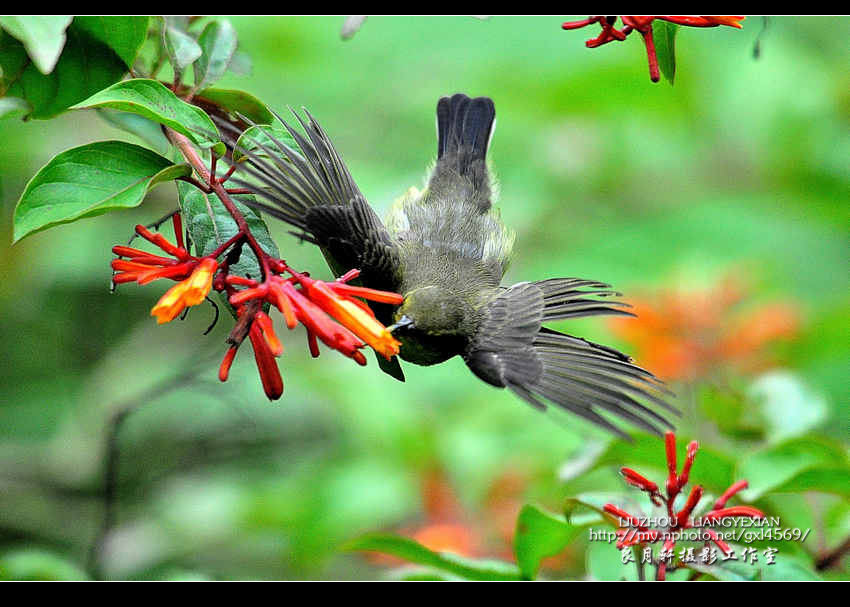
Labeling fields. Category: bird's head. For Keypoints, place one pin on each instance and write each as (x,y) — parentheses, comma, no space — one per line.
(431,310)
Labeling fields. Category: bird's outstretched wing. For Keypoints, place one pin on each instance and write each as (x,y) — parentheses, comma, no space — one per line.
(513,350)
(311,189)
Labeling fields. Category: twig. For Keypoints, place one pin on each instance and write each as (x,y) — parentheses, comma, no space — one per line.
(110,473)
(831,559)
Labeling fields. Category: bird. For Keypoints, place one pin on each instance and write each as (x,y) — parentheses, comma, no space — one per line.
(446,250)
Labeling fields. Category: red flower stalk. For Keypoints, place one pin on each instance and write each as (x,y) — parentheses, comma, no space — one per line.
(643,24)
(637,534)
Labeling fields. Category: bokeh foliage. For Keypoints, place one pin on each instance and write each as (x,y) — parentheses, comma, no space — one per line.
(739,169)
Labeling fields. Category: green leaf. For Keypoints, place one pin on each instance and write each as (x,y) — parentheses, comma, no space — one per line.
(605,562)
(30,564)
(259,140)
(664,37)
(13,106)
(238,102)
(210,225)
(413,551)
(785,568)
(42,35)
(802,464)
(85,67)
(540,534)
(147,130)
(88,181)
(181,48)
(124,35)
(152,100)
(218,41)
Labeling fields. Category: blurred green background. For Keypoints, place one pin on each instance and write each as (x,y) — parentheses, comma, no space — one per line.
(738,173)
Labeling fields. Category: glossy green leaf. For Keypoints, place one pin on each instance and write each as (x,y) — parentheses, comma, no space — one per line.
(123,34)
(414,552)
(152,100)
(43,36)
(238,102)
(88,181)
(182,49)
(85,67)
(540,534)
(218,42)
(664,37)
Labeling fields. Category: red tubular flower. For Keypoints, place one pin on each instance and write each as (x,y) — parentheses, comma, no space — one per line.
(742,511)
(330,311)
(262,320)
(224,368)
(333,300)
(661,574)
(691,503)
(189,292)
(720,543)
(321,325)
(636,534)
(266,363)
(638,480)
(195,275)
(643,24)
(706,20)
(693,447)
(672,466)
(732,490)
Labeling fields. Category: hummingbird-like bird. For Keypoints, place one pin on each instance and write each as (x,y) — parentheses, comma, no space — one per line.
(446,250)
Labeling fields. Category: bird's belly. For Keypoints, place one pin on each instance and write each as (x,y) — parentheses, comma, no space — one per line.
(428,350)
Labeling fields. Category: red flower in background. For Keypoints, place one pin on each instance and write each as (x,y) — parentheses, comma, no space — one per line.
(682,335)
(634,532)
(643,24)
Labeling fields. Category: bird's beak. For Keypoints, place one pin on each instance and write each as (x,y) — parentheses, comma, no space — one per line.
(403,322)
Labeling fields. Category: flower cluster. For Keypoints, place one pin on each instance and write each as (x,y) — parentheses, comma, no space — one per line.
(331,312)
(638,533)
(688,335)
(643,24)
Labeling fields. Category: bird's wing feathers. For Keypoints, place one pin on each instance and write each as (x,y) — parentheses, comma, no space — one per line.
(311,189)
(512,350)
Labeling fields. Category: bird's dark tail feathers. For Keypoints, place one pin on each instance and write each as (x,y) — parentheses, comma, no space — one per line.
(464,127)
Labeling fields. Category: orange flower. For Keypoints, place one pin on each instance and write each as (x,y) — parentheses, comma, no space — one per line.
(188,292)
(353,315)
(686,335)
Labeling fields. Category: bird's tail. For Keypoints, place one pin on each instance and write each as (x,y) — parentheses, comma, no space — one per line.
(464,128)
